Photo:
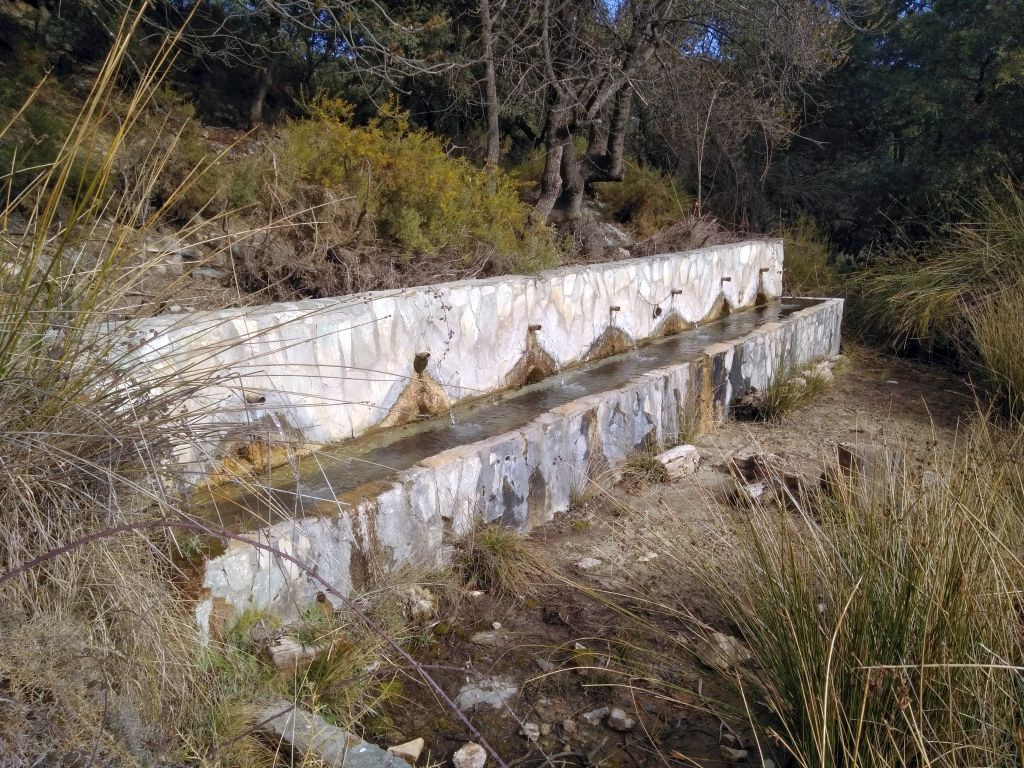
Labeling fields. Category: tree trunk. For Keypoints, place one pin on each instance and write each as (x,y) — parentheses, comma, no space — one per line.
(491,93)
(570,202)
(551,181)
(260,96)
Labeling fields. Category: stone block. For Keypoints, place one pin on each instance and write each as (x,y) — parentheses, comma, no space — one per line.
(680,461)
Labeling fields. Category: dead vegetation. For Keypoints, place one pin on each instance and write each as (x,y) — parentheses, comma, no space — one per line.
(499,560)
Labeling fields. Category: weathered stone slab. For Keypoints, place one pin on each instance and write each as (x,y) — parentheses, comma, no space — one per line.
(312,735)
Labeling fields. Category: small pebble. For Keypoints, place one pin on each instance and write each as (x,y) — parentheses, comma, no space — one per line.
(595,716)
(618,720)
(733,755)
(469,755)
(531,731)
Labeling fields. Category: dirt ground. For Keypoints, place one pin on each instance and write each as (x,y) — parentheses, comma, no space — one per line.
(606,632)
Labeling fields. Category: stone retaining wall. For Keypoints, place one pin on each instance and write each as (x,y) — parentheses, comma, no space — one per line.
(317,372)
(520,478)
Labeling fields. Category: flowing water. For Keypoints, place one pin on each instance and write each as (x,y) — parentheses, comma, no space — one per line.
(319,479)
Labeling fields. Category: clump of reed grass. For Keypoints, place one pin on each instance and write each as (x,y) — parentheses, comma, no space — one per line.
(997,329)
(501,561)
(789,389)
(643,468)
(102,655)
(948,295)
(886,630)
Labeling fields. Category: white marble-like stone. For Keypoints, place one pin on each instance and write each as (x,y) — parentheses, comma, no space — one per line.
(519,478)
(337,366)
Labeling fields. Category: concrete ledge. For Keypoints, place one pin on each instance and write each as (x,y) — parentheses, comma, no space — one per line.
(520,478)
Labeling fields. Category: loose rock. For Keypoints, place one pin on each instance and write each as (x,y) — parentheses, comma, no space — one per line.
(489,639)
(618,720)
(209,273)
(595,716)
(733,755)
(531,731)
(469,755)
(409,751)
(287,653)
(722,652)
(588,563)
(680,461)
(494,692)
(420,601)
(283,721)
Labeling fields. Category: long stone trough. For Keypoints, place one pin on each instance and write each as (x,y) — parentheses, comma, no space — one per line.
(311,373)
(521,477)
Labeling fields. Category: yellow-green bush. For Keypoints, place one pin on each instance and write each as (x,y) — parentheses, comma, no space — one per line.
(809,271)
(647,199)
(407,189)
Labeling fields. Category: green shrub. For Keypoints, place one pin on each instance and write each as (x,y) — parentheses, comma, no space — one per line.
(407,189)
(647,200)
(30,145)
(809,271)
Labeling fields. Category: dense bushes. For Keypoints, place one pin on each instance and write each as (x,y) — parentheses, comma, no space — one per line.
(809,269)
(647,200)
(959,294)
(375,206)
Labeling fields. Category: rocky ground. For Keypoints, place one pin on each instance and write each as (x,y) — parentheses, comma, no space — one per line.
(595,666)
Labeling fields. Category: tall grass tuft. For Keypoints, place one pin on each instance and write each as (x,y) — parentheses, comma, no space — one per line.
(884,623)
(958,296)
(997,328)
(501,561)
(99,652)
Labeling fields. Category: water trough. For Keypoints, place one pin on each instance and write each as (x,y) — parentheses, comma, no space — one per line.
(400,420)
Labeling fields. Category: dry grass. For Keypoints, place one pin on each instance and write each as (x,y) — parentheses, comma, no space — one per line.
(103,651)
(643,468)
(884,622)
(997,328)
(498,560)
(102,660)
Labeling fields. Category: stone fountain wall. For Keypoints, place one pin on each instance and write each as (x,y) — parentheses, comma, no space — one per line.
(521,478)
(316,372)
